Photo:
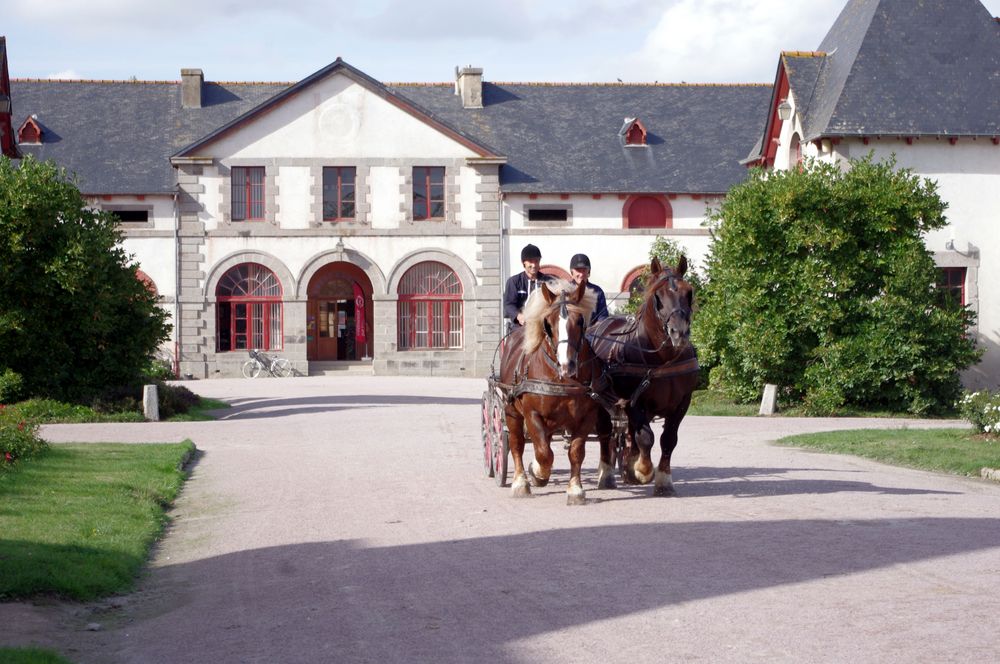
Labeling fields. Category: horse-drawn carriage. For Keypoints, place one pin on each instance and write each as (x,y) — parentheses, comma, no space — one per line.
(560,375)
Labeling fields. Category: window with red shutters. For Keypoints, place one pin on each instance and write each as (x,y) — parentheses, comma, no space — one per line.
(248,193)
(647,211)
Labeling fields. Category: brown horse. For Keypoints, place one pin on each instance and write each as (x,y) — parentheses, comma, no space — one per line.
(548,369)
(653,366)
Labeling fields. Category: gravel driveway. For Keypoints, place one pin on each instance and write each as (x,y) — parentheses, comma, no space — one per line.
(347,519)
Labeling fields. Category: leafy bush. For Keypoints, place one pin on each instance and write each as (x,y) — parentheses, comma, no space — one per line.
(11,386)
(983,410)
(50,410)
(73,315)
(175,399)
(18,437)
(819,281)
(159,370)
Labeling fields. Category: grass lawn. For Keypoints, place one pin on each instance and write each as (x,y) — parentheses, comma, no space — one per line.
(49,411)
(199,413)
(958,451)
(30,656)
(711,402)
(78,521)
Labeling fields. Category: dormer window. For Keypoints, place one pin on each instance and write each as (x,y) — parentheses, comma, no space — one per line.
(633,132)
(30,132)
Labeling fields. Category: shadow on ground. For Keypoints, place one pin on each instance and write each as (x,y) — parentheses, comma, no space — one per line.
(253,408)
(475,599)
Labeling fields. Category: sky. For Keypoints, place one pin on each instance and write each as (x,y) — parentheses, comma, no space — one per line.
(666,41)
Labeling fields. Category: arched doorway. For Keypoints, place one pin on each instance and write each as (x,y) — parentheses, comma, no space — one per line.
(339,314)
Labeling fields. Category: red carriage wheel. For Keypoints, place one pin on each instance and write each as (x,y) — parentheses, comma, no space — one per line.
(486,428)
(501,445)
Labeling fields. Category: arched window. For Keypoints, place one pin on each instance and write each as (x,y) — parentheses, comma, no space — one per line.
(147,282)
(554,271)
(795,150)
(633,281)
(647,211)
(430,307)
(249,309)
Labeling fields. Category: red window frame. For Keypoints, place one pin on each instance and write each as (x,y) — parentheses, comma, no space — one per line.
(339,187)
(247,193)
(249,309)
(430,309)
(951,283)
(428,193)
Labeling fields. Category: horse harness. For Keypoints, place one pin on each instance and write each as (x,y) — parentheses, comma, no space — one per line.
(611,348)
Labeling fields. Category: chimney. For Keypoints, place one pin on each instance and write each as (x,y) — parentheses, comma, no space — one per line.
(469,84)
(191,81)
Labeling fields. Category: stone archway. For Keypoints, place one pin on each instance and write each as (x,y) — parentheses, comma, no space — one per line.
(339,321)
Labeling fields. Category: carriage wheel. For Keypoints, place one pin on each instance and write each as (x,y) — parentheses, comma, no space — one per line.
(486,428)
(501,444)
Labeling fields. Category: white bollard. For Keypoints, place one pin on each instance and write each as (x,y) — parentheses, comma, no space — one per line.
(150,403)
(769,404)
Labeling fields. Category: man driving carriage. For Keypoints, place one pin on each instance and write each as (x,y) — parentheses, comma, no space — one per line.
(522,284)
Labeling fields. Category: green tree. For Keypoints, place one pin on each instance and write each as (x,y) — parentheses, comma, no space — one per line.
(819,281)
(74,319)
(668,253)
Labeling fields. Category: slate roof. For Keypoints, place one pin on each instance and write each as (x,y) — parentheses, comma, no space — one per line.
(117,136)
(899,67)
(565,138)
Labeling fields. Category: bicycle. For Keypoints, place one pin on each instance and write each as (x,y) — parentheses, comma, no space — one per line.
(260,362)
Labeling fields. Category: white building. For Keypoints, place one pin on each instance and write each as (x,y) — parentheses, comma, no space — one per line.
(340,220)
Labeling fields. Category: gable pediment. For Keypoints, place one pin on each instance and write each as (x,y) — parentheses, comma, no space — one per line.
(336,112)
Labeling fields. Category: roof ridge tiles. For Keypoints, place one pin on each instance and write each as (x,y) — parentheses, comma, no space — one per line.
(805,54)
(545,84)
(141,81)
(92,80)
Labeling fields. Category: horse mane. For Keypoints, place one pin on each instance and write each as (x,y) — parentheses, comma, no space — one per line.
(537,309)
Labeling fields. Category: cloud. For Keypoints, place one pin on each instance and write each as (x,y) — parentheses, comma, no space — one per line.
(66,75)
(111,15)
(712,41)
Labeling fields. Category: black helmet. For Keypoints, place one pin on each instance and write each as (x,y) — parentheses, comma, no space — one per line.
(579,261)
(530,252)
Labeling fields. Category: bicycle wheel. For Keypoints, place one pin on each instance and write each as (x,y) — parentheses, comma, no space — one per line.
(281,368)
(252,368)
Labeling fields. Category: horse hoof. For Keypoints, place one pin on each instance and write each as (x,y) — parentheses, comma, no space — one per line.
(664,491)
(576,498)
(606,477)
(534,479)
(520,488)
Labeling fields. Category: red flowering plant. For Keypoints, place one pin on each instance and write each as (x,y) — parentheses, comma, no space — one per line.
(18,437)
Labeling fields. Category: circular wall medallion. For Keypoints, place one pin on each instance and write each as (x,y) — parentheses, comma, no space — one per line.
(339,122)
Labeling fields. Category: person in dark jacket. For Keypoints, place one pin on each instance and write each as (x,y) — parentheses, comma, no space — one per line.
(522,284)
(579,269)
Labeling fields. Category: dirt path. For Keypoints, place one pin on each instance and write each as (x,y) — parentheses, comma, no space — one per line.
(348,520)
